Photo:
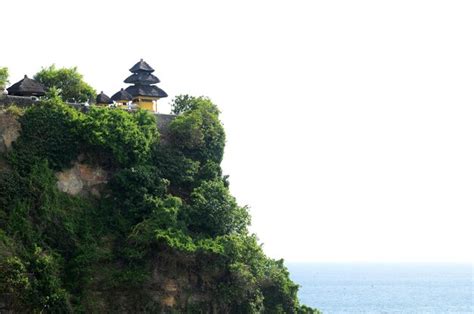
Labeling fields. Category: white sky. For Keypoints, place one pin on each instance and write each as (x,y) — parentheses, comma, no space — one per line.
(349,124)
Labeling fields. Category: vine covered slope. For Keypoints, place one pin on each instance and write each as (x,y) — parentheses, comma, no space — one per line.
(162,234)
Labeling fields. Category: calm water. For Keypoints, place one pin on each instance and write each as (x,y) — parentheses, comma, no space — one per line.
(385,288)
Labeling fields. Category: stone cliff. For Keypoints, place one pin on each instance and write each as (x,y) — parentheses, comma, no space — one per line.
(178,280)
(9,130)
(101,213)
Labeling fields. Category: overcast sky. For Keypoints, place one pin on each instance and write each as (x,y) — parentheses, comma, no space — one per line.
(350,124)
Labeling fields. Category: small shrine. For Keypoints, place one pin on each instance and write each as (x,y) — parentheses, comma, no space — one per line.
(122,99)
(103,100)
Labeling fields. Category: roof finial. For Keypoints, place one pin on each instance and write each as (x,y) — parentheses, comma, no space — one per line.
(26,76)
(141,59)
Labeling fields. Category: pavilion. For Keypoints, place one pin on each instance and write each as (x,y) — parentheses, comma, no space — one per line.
(122,98)
(103,100)
(27,88)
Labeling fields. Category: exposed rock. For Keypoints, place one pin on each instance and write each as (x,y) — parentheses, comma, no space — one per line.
(82,179)
(9,130)
(162,122)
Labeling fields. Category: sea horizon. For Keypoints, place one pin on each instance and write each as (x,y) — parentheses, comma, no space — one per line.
(385,287)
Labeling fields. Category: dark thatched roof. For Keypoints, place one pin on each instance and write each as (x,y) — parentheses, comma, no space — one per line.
(143,78)
(141,66)
(26,87)
(146,90)
(121,95)
(103,99)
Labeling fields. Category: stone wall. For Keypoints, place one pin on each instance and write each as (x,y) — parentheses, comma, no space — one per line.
(7,100)
(24,102)
(163,121)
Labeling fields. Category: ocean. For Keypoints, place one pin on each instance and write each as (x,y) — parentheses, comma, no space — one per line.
(385,288)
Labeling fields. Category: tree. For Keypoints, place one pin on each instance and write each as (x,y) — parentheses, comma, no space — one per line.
(213,211)
(184,103)
(198,132)
(3,78)
(68,81)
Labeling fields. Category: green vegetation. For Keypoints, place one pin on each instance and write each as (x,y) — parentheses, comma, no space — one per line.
(3,78)
(124,137)
(50,131)
(166,207)
(65,82)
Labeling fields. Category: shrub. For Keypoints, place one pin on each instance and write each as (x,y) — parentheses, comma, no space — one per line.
(49,130)
(212,211)
(134,190)
(125,136)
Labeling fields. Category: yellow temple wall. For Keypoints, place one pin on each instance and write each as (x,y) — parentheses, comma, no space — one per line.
(147,104)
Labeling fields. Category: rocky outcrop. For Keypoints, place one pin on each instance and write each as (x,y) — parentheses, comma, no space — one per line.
(82,179)
(178,283)
(9,130)
(162,122)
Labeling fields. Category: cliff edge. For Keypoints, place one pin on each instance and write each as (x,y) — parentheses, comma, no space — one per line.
(118,212)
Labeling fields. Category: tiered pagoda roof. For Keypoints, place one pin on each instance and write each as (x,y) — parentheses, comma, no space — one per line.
(144,82)
(142,77)
(146,90)
(142,66)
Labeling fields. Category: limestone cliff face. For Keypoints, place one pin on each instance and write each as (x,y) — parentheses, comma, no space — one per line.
(9,130)
(82,179)
(174,283)
(178,282)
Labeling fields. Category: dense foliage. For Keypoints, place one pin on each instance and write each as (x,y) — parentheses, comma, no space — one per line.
(66,82)
(167,201)
(50,131)
(183,103)
(198,132)
(127,138)
(3,78)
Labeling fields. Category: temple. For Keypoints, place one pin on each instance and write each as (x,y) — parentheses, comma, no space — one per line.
(145,94)
(26,87)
